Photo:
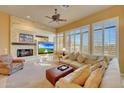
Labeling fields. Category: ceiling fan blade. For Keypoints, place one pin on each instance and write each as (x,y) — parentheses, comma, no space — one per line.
(48,17)
(62,20)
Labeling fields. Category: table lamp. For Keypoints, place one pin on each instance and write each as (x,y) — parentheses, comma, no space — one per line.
(63,50)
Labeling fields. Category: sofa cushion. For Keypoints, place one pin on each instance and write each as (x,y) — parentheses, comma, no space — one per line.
(71,55)
(80,75)
(76,64)
(95,78)
(67,61)
(90,61)
(81,58)
(112,75)
(93,57)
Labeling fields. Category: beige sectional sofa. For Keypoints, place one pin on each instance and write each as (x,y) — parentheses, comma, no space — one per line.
(110,79)
(76,64)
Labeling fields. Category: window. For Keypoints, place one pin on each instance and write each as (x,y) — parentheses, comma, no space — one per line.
(77,40)
(60,41)
(72,43)
(105,37)
(110,36)
(85,39)
(67,41)
(98,42)
(73,40)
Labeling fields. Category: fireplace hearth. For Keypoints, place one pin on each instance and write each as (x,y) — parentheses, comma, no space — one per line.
(24,52)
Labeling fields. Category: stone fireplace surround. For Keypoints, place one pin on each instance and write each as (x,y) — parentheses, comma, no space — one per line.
(25,49)
(19,25)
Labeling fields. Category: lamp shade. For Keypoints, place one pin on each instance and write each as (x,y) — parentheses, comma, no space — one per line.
(64,49)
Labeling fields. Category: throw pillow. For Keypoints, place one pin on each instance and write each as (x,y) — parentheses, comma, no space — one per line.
(95,78)
(107,59)
(74,56)
(81,74)
(71,55)
(104,64)
(81,58)
(95,66)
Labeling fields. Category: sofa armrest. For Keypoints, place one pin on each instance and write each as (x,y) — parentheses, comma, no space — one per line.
(2,65)
(64,84)
(65,57)
(18,60)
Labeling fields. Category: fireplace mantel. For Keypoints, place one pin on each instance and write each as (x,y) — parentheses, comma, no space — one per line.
(23,43)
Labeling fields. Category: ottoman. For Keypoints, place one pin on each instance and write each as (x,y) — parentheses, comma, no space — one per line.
(54,74)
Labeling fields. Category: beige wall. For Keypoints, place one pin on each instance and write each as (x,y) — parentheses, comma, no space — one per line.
(4,34)
(115,11)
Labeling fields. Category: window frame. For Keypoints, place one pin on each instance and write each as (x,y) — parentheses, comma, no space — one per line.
(88,26)
(103,28)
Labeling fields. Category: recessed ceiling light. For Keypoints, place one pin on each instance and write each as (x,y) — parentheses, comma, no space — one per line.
(28,17)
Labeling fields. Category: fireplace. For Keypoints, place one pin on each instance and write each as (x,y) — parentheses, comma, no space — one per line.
(24,52)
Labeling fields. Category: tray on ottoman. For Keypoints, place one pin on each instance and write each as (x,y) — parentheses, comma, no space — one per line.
(54,74)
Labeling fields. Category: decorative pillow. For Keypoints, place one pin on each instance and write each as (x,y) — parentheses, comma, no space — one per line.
(74,56)
(104,64)
(107,59)
(81,74)
(95,78)
(81,58)
(95,66)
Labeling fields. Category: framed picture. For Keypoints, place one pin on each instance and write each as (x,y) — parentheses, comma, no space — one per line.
(25,37)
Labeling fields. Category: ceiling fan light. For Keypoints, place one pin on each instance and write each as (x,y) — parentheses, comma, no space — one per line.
(65,6)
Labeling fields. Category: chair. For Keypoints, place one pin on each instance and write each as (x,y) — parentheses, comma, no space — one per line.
(8,65)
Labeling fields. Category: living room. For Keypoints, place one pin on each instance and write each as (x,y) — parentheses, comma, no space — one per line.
(53,49)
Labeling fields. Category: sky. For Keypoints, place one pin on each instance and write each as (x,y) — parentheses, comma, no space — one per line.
(46,45)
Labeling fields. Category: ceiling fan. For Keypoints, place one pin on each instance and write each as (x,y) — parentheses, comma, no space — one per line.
(56,17)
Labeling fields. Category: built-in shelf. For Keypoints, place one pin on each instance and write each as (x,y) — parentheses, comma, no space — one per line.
(23,43)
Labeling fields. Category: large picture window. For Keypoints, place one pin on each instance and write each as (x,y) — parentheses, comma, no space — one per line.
(77,40)
(85,39)
(105,38)
(60,38)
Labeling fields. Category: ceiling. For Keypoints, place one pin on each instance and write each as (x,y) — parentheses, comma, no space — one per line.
(37,13)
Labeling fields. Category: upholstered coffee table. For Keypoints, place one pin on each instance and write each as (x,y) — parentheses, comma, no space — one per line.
(54,74)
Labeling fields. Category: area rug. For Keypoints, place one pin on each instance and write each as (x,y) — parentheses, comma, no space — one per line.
(32,76)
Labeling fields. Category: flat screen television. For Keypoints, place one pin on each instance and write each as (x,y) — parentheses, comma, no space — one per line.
(45,47)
